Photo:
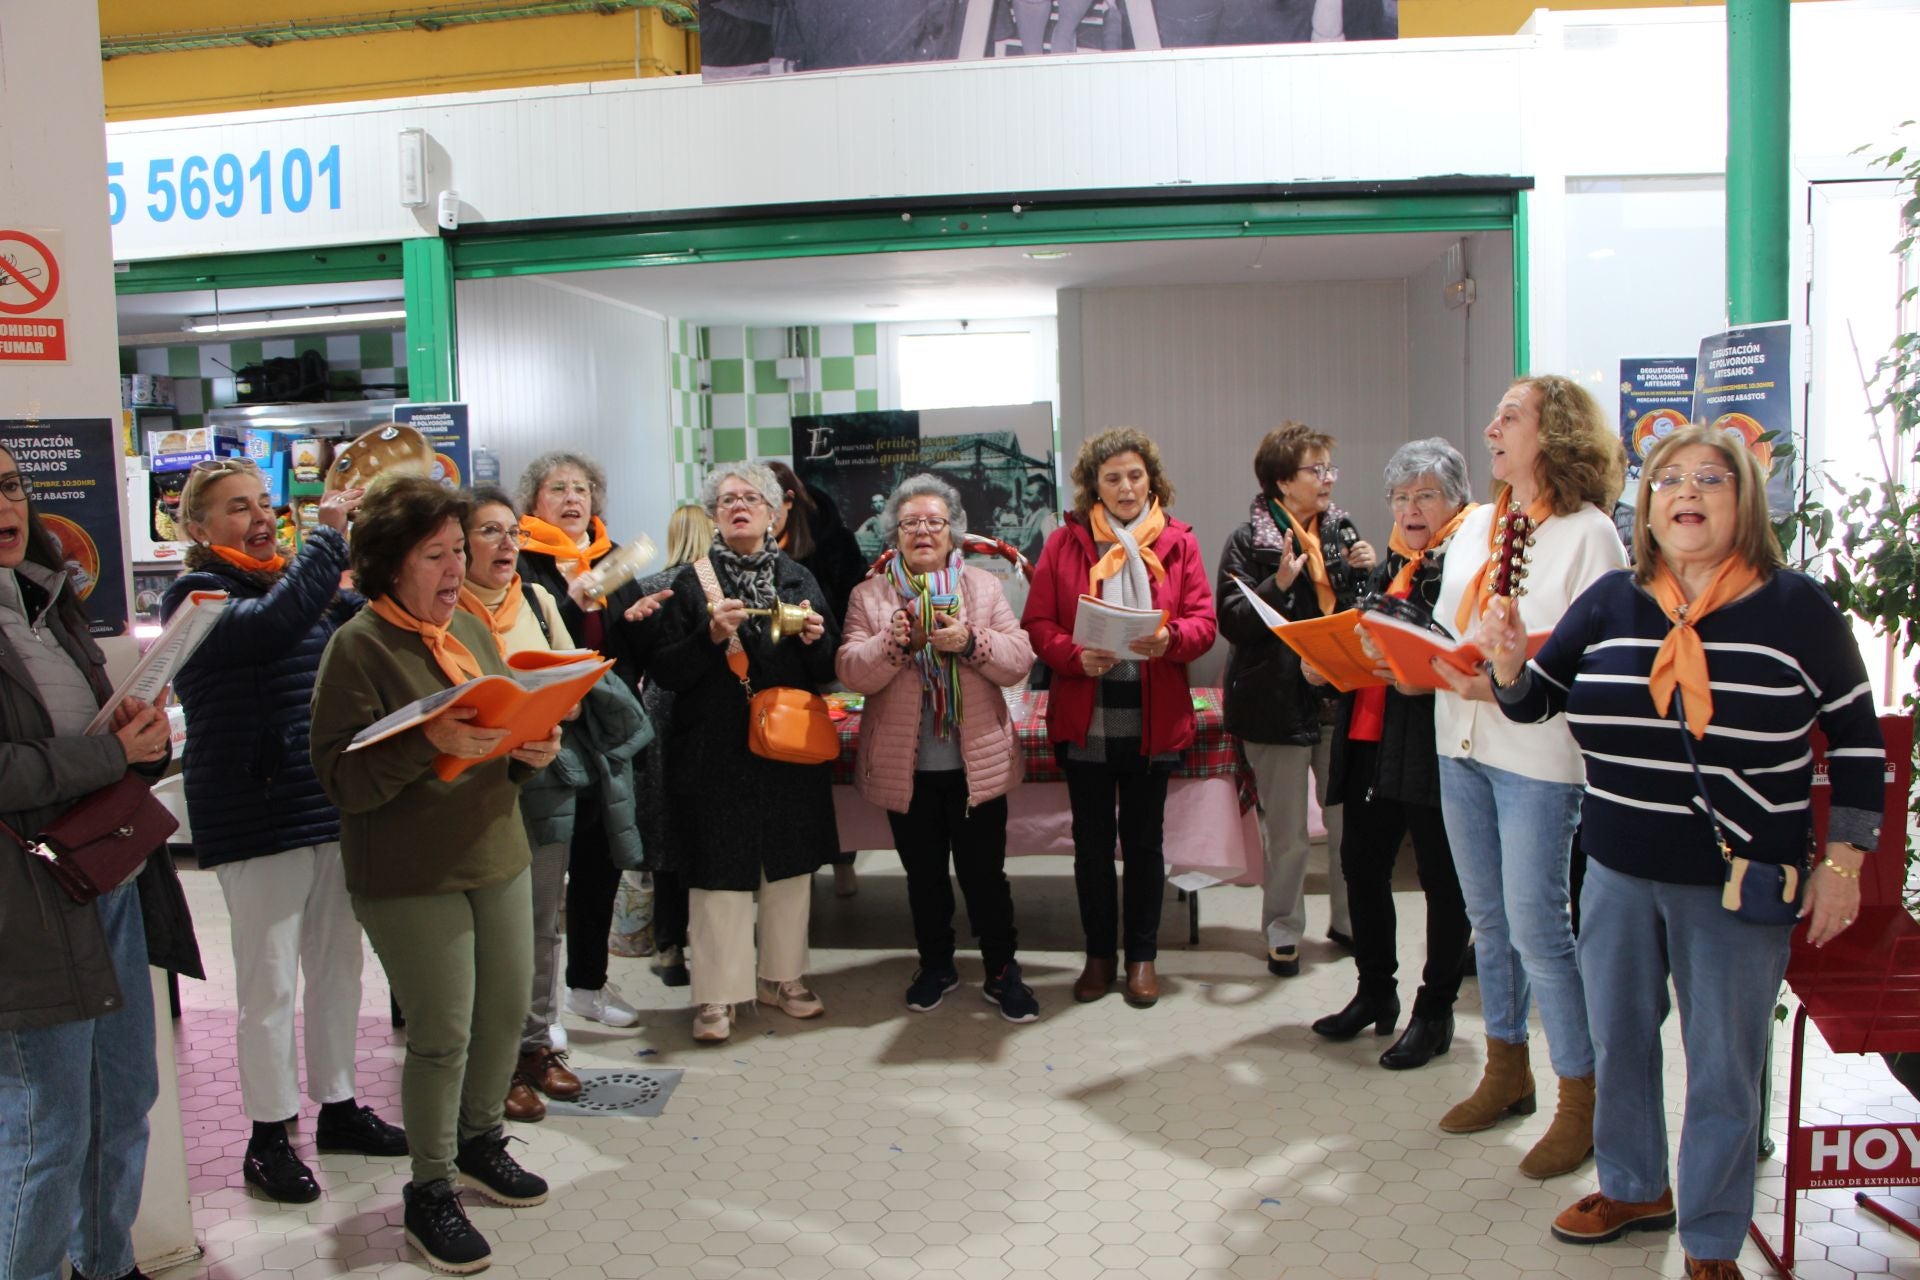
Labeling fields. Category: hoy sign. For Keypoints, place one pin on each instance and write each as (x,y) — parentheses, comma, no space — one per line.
(1858,1155)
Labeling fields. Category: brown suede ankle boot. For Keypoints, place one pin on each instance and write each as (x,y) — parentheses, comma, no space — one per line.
(1568,1141)
(1505,1090)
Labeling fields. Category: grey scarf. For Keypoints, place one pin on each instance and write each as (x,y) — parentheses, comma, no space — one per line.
(748,579)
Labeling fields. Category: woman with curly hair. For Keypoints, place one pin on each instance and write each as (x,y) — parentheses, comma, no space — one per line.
(1120,721)
(1511,792)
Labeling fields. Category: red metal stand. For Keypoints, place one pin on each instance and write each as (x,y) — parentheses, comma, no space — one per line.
(1862,991)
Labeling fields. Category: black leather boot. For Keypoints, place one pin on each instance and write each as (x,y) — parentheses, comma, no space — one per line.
(1381,1012)
(1424,1040)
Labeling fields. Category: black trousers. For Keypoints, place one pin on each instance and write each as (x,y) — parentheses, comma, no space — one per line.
(1370,845)
(937,826)
(592,881)
(1141,797)
(671,906)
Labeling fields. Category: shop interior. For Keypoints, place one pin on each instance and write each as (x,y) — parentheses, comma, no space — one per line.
(661,371)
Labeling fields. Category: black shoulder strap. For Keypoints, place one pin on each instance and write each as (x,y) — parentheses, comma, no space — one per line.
(539,610)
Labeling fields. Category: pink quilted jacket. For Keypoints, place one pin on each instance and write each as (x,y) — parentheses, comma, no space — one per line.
(890,725)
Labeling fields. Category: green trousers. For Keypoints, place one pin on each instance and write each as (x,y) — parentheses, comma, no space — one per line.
(461,965)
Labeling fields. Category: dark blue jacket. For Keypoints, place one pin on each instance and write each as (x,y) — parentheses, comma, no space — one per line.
(251,788)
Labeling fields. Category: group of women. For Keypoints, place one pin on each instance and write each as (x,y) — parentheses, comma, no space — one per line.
(1676,698)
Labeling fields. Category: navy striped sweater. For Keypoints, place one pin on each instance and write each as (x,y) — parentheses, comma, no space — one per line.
(1780,660)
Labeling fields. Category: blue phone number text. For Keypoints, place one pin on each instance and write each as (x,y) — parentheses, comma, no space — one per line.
(226,187)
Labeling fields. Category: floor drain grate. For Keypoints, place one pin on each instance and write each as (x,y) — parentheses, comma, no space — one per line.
(619,1093)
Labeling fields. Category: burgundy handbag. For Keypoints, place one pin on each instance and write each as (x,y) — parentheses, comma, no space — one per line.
(99,843)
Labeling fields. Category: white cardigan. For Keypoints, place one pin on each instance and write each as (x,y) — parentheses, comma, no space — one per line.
(1569,554)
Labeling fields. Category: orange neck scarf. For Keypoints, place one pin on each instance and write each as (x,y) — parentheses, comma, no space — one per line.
(1308,540)
(1479,592)
(455,659)
(499,618)
(241,560)
(1682,660)
(1145,534)
(551,540)
(1403,581)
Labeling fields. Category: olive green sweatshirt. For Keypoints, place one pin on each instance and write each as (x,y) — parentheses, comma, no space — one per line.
(403,831)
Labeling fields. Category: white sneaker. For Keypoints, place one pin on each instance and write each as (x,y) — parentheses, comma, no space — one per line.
(603,1006)
(557,1037)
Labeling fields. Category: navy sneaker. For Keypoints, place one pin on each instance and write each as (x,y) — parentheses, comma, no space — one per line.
(1014,997)
(929,987)
(485,1166)
(437,1226)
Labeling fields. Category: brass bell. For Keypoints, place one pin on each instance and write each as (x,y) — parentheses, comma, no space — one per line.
(786,619)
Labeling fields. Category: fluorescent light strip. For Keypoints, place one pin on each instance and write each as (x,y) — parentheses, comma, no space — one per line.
(235,324)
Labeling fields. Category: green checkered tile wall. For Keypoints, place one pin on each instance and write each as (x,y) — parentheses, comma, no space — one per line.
(203,372)
(750,408)
(686,407)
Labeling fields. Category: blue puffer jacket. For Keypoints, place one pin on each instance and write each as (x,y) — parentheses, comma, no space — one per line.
(251,788)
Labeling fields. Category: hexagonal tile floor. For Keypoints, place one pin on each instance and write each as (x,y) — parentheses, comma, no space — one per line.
(1213,1136)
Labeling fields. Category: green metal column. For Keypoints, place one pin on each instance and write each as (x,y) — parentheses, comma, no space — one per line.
(428,273)
(1758,110)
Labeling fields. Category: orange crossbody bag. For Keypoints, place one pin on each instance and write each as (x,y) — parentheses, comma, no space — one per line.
(783,723)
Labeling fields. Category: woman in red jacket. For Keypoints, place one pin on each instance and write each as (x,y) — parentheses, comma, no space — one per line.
(1119,721)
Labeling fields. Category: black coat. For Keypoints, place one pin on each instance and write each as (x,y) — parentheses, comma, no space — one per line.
(629,644)
(248,691)
(1406,768)
(835,562)
(55,966)
(1266,699)
(735,814)
(650,766)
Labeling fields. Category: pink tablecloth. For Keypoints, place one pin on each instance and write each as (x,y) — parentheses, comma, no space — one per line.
(1211,823)
(1205,831)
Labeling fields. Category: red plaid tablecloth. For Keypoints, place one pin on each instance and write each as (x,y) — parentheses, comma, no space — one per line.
(1215,753)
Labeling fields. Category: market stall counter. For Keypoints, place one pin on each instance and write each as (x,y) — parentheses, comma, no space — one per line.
(1212,834)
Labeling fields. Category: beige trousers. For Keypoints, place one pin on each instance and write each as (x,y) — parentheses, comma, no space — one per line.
(720,938)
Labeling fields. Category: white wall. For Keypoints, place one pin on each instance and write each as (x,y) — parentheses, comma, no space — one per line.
(545,367)
(53,158)
(1208,371)
(1372,110)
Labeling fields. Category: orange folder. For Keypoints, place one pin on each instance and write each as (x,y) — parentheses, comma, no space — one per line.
(1332,646)
(528,707)
(1410,650)
(528,715)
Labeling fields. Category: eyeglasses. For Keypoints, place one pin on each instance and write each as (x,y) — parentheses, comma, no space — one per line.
(501,532)
(1669,477)
(567,488)
(728,501)
(16,486)
(1418,498)
(1326,471)
(925,524)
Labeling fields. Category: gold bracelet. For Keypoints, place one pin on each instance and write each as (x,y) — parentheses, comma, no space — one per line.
(1839,870)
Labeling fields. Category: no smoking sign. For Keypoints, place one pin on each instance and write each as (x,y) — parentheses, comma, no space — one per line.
(33,307)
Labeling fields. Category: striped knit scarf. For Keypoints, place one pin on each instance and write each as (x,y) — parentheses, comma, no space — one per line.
(939,672)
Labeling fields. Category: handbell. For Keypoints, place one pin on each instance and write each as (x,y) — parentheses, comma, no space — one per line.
(786,619)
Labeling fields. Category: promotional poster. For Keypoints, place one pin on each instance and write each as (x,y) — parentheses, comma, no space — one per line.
(1000,460)
(741,38)
(1656,397)
(445,427)
(1744,387)
(74,465)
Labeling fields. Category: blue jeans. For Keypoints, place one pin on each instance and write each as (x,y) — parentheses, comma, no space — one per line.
(73,1122)
(1511,837)
(1634,934)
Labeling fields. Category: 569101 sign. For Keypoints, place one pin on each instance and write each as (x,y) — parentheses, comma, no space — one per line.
(226,186)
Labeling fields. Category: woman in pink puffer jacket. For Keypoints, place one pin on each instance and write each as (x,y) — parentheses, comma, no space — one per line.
(931,643)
